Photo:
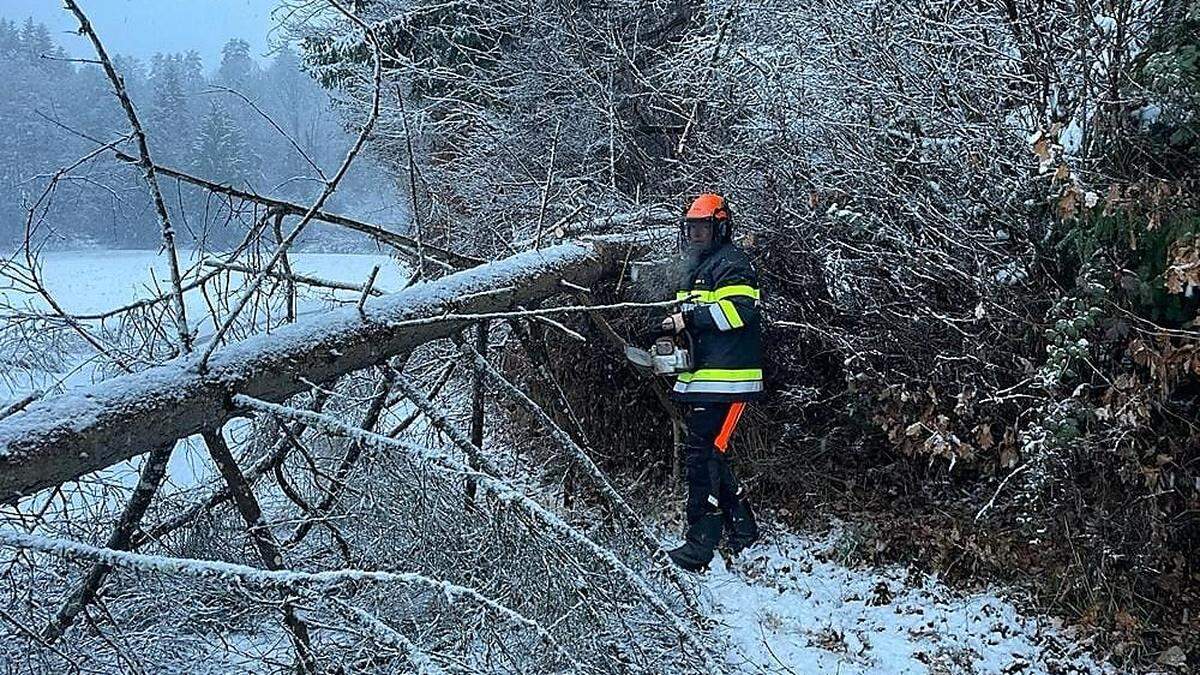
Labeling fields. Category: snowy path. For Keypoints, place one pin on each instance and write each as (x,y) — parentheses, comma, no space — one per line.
(784,609)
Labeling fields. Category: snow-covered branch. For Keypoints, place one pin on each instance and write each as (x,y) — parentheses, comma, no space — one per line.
(498,488)
(61,438)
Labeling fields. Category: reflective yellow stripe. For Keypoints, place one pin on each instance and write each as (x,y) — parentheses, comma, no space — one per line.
(731,291)
(702,296)
(731,313)
(723,375)
(704,387)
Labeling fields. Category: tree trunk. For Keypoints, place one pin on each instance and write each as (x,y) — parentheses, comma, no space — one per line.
(264,540)
(481,345)
(62,438)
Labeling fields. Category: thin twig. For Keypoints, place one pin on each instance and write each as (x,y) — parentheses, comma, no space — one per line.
(537,241)
(544,311)
(331,284)
(415,208)
(168,232)
(271,121)
(330,186)
(582,461)
(367,289)
(318,582)
(488,481)
(992,502)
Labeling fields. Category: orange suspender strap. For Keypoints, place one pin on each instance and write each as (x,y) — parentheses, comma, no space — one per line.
(731,420)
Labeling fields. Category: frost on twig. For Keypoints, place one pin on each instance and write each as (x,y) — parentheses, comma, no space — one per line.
(312,585)
(579,456)
(504,493)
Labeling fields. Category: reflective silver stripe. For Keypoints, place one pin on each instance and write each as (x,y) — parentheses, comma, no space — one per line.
(713,500)
(706,387)
(718,316)
(731,313)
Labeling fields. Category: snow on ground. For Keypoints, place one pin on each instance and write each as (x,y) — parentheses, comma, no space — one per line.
(86,282)
(94,281)
(785,608)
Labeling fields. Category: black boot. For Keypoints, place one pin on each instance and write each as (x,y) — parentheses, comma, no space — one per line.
(702,537)
(743,528)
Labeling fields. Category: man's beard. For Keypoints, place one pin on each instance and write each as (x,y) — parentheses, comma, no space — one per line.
(685,263)
(692,251)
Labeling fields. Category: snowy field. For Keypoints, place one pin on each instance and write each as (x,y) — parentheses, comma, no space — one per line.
(86,282)
(786,608)
(94,281)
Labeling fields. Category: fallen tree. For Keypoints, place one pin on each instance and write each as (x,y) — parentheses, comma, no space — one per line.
(62,438)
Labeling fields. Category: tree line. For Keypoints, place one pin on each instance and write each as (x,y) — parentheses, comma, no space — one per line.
(260,126)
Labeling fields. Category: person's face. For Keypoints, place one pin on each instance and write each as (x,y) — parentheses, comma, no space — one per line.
(699,233)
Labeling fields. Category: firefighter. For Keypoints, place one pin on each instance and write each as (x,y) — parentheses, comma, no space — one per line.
(720,318)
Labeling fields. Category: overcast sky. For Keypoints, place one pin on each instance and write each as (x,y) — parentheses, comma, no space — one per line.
(142,27)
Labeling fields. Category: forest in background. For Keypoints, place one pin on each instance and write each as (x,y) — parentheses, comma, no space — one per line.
(976,228)
(213,120)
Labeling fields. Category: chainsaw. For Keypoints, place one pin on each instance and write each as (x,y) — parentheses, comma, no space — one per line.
(666,357)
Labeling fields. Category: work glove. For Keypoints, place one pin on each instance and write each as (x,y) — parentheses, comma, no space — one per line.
(673,324)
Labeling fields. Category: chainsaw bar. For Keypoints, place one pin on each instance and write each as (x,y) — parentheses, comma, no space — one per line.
(639,357)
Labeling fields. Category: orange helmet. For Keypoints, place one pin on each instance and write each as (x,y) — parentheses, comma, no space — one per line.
(710,208)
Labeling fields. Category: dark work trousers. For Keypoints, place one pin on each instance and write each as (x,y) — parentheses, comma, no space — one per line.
(712,488)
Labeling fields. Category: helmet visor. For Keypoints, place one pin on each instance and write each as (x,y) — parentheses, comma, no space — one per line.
(698,231)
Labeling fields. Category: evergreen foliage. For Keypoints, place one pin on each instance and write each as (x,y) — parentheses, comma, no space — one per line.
(193,123)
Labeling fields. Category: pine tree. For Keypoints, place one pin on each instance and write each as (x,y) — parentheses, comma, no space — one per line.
(219,153)
(101,116)
(1171,76)
(35,41)
(10,40)
(11,114)
(133,71)
(170,119)
(238,69)
(191,70)
(301,107)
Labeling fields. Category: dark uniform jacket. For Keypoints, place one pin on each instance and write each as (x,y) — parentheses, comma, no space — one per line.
(721,318)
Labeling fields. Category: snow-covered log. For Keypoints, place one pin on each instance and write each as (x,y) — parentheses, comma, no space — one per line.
(62,438)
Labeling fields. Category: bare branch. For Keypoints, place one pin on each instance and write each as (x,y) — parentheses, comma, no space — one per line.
(400,242)
(260,533)
(493,485)
(579,457)
(310,582)
(168,232)
(330,186)
(154,469)
(331,284)
(367,289)
(270,120)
